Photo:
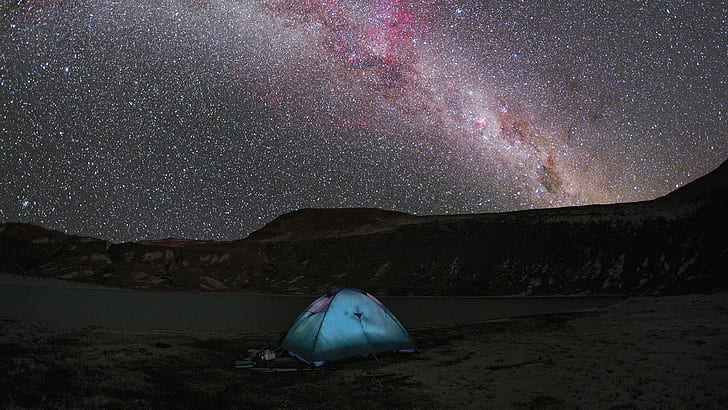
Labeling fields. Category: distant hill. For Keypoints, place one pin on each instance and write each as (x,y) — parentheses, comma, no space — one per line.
(673,244)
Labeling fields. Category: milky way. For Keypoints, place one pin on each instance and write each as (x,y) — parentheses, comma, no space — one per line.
(128,120)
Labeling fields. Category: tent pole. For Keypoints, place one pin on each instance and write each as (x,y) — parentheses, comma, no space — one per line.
(369,342)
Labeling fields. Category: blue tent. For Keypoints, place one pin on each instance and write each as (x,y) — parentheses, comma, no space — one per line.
(345,323)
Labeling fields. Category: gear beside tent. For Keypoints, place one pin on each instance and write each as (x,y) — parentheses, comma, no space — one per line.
(342,324)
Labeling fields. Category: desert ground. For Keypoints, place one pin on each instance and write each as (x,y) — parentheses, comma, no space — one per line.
(644,352)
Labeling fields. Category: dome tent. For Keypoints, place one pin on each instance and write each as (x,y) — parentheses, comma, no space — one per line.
(345,323)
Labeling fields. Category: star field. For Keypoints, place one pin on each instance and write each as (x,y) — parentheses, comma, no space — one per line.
(138,120)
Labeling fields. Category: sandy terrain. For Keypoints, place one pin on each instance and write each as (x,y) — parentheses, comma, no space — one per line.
(667,352)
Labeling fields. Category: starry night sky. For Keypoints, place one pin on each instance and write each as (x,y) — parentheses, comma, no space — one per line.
(130,120)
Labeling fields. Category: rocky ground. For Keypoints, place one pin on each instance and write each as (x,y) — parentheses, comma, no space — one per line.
(646,352)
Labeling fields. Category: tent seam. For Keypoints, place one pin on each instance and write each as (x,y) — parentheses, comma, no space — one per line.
(321,324)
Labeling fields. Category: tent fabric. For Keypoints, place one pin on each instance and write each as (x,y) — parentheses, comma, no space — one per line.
(342,324)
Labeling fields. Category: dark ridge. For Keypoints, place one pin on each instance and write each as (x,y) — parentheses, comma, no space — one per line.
(317,222)
(674,244)
(714,183)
